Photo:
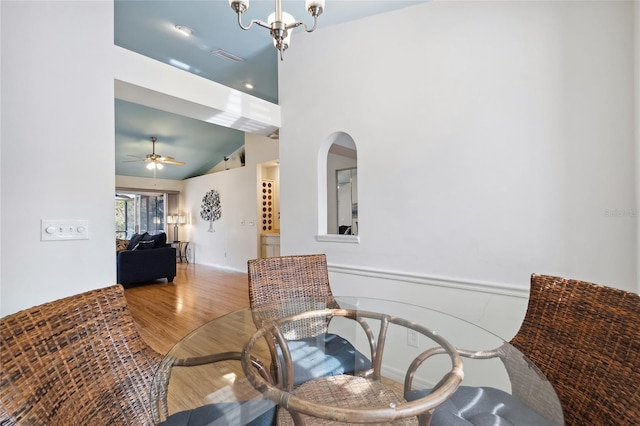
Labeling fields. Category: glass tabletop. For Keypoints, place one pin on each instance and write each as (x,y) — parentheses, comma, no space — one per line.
(412,359)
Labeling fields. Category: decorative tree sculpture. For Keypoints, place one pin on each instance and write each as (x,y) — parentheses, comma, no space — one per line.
(211,209)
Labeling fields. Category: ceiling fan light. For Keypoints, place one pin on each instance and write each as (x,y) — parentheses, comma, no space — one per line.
(151,166)
(159,166)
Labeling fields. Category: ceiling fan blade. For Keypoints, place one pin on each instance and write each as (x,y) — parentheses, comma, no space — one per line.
(174,162)
(154,158)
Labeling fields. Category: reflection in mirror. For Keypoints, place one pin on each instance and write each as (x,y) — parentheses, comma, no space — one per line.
(347,189)
(342,187)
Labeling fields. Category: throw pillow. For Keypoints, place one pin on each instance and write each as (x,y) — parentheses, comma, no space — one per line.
(121,245)
(160,240)
(135,239)
(144,245)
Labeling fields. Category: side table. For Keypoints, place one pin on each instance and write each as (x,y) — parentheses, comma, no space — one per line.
(181,250)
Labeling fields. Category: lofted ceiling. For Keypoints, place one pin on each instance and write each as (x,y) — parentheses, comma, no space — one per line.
(147,27)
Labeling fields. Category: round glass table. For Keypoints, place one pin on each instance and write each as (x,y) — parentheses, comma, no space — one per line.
(348,360)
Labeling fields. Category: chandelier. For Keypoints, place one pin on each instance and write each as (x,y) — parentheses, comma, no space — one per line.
(279,23)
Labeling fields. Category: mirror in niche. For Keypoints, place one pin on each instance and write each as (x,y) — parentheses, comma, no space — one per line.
(347,193)
(342,187)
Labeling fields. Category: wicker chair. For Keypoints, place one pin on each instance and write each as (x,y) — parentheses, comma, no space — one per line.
(77,360)
(586,339)
(286,285)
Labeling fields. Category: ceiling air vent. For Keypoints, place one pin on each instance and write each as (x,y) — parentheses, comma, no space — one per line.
(227,55)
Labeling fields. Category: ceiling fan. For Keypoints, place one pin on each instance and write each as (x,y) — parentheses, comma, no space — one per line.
(156,161)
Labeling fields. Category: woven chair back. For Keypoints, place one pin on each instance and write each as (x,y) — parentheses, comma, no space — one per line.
(585,338)
(286,285)
(75,361)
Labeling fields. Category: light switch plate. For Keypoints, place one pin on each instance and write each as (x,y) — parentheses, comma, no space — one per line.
(64,229)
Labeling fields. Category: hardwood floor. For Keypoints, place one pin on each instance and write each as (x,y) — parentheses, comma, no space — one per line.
(166,312)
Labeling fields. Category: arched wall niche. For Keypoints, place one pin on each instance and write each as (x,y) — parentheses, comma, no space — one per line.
(338,189)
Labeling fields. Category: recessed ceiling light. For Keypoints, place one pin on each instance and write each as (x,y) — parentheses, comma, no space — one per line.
(248,85)
(227,55)
(184,30)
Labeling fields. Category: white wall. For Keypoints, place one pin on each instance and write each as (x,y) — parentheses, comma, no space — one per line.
(57,148)
(636,40)
(0,164)
(132,182)
(492,138)
(235,239)
(59,79)
(493,124)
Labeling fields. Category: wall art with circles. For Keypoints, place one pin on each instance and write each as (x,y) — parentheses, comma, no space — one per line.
(211,210)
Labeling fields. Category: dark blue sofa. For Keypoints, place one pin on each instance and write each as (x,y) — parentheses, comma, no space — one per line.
(147,258)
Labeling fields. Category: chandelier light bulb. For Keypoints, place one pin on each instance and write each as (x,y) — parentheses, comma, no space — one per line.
(314,6)
(240,6)
(281,41)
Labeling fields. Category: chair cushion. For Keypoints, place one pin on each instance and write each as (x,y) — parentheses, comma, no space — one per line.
(324,355)
(481,406)
(250,413)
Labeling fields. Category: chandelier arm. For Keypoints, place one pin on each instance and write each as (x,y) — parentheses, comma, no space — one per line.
(306,28)
(255,21)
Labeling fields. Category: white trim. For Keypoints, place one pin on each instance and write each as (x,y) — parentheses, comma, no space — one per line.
(477,286)
(338,238)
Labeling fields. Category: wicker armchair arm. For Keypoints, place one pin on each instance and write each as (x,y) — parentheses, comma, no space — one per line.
(297,406)
(370,337)
(417,362)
